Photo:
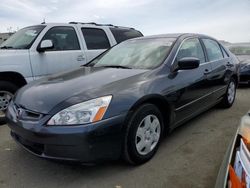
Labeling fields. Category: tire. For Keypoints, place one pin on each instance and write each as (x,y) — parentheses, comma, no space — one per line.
(7,88)
(137,134)
(229,97)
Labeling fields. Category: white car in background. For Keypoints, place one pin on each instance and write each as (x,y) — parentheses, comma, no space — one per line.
(40,50)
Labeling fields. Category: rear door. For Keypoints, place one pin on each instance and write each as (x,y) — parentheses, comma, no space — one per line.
(193,89)
(221,66)
(96,42)
(65,55)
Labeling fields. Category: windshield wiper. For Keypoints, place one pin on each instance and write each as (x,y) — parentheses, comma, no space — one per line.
(6,47)
(117,66)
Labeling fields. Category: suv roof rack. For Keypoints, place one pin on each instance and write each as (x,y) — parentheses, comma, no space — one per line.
(97,24)
(91,23)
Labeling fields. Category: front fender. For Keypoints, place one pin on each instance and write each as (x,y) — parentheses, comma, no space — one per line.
(16,61)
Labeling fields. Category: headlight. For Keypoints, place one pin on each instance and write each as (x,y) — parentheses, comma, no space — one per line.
(82,113)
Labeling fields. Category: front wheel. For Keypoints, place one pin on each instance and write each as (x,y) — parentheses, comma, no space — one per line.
(229,97)
(143,134)
(7,91)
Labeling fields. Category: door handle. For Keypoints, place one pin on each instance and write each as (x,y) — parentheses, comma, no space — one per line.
(206,72)
(80,58)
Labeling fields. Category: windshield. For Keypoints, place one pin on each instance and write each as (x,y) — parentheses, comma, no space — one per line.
(137,54)
(23,39)
(240,50)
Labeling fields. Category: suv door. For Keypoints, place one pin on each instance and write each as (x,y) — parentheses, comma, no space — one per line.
(221,67)
(65,55)
(194,92)
(96,42)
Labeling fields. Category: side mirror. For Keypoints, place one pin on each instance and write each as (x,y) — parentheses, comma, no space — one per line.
(45,45)
(187,63)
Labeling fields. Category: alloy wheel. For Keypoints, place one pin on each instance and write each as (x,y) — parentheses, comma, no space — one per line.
(231,92)
(5,98)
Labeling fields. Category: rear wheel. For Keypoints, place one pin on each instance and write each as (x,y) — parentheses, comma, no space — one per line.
(7,91)
(143,134)
(229,97)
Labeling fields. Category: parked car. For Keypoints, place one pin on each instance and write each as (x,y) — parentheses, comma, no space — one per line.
(41,50)
(223,178)
(124,101)
(242,51)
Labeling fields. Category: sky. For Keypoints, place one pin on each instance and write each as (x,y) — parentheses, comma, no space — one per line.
(223,19)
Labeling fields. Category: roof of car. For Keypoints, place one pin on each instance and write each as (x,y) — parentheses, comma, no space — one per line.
(88,24)
(176,35)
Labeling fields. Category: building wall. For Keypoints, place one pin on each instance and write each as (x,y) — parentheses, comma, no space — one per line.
(4,36)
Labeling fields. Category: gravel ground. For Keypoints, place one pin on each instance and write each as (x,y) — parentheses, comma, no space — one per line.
(189,157)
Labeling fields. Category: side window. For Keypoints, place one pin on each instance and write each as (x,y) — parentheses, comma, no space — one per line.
(95,39)
(213,49)
(124,34)
(225,54)
(63,38)
(191,48)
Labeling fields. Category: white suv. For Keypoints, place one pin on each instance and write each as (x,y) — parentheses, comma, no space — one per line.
(36,51)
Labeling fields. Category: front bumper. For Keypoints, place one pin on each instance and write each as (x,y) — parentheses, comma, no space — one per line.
(90,143)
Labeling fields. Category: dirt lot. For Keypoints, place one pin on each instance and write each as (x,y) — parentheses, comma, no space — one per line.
(190,157)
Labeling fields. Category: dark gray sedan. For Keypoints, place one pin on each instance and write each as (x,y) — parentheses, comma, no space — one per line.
(123,102)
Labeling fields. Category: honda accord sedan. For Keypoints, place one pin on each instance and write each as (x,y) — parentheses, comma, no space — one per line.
(125,101)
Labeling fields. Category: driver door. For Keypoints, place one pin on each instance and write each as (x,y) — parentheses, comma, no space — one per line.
(65,55)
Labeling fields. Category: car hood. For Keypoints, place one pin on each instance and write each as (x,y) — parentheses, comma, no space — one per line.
(43,95)
(15,61)
(4,53)
(243,58)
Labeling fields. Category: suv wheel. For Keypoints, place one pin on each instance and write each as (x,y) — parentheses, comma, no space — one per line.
(143,134)
(7,91)
(229,97)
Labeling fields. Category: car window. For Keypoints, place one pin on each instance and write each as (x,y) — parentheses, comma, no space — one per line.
(136,53)
(63,38)
(225,54)
(95,39)
(213,49)
(124,34)
(191,48)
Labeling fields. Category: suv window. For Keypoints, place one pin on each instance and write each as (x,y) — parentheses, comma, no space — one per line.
(213,49)
(124,34)
(191,48)
(95,39)
(63,38)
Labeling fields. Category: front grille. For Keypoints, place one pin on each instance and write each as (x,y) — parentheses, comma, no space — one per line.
(24,114)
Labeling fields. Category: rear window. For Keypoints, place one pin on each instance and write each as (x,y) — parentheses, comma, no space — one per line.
(96,39)
(124,34)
